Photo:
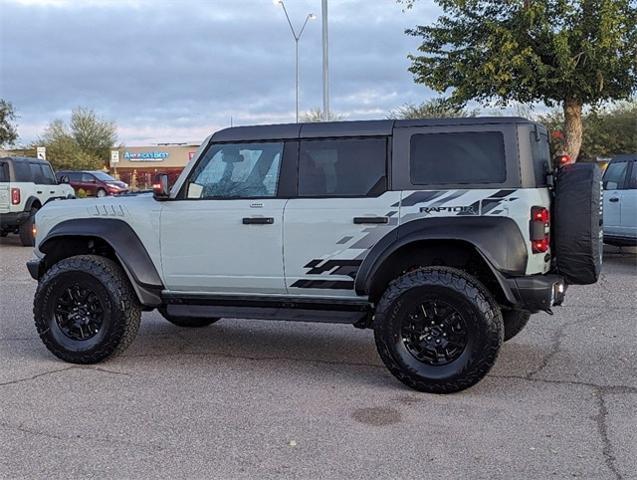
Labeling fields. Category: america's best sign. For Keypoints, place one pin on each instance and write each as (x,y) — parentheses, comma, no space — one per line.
(145,156)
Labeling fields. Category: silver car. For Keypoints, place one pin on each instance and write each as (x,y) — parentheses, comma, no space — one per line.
(620,201)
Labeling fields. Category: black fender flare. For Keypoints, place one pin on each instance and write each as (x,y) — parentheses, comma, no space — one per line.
(497,239)
(30,201)
(127,246)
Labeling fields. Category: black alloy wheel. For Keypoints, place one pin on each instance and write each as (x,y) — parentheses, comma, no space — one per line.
(435,332)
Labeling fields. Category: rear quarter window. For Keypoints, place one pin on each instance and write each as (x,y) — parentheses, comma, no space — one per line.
(4,172)
(457,158)
(541,156)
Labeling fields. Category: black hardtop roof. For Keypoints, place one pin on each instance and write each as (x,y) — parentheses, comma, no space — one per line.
(624,157)
(24,159)
(349,128)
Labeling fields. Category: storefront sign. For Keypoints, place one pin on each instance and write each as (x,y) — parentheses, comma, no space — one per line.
(145,156)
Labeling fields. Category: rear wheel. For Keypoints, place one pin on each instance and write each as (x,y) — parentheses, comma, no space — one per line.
(438,330)
(27,237)
(188,322)
(85,309)
(514,322)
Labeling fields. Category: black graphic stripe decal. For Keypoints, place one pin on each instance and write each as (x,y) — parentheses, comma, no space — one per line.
(420,197)
(331,264)
(324,284)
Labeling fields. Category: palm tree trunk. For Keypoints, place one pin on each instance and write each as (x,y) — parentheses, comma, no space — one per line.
(573,126)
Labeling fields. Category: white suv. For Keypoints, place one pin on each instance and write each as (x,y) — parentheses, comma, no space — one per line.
(26,184)
(444,236)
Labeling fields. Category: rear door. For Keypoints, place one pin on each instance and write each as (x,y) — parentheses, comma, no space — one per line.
(614,179)
(45,184)
(342,209)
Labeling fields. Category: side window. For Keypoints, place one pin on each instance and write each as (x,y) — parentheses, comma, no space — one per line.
(87,178)
(541,153)
(37,174)
(615,175)
(22,172)
(343,167)
(48,175)
(240,170)
(4,172)
(457,158)
(631,184)
(74,176)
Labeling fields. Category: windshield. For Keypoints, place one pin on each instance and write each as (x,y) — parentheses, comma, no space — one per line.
(105,177)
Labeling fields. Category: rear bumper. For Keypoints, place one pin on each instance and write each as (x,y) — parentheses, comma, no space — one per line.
(13,219)
(539,292)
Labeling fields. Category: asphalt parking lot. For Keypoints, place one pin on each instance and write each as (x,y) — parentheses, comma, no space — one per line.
(254,399)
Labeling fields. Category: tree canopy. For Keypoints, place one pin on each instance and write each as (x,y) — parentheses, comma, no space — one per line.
(84,143)
(560,52)
(8,128)
(438,107)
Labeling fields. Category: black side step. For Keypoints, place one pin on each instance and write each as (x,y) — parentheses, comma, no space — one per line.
(267,308)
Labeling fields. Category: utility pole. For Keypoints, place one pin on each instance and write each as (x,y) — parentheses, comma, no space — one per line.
(326,79)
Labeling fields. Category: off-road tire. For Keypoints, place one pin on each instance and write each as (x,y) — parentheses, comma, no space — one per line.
(188,322)
(478,308)
(121,308)
(514,322)
(26,230)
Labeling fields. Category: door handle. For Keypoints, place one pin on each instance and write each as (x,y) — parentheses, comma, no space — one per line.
(258,220)
(614,199)
(374,220)
(39,191)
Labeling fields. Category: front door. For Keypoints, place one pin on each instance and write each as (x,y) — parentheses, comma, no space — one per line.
(343,208)
(224,231)
(614,179)
(629,204)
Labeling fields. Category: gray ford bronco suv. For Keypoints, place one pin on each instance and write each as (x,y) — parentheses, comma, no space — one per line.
(443,236)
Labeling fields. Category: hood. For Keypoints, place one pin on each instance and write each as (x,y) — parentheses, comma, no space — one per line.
(129,208)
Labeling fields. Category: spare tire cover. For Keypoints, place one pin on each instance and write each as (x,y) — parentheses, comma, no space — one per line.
(577,215)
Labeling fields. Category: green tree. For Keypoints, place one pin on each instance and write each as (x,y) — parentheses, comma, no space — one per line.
(316,115)
(84,144)
(8,128)
(439,107)
(569,53)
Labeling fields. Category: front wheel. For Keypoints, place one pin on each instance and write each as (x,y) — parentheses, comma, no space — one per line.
(188,322)
(85,309)
(438,330)
(101,193)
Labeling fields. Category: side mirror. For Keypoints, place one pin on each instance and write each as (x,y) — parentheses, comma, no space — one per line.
(161,191)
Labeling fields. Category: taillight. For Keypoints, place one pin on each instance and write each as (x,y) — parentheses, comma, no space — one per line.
(540,229)
(15,196)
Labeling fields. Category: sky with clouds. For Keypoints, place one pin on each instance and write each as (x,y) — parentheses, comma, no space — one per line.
(174,71)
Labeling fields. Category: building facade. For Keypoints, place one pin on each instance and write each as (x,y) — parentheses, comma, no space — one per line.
(138,166)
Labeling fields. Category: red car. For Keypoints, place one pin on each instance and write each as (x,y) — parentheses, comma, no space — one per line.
(94,183)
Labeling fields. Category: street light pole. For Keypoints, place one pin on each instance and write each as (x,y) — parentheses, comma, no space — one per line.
(297,37)
(326,78)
